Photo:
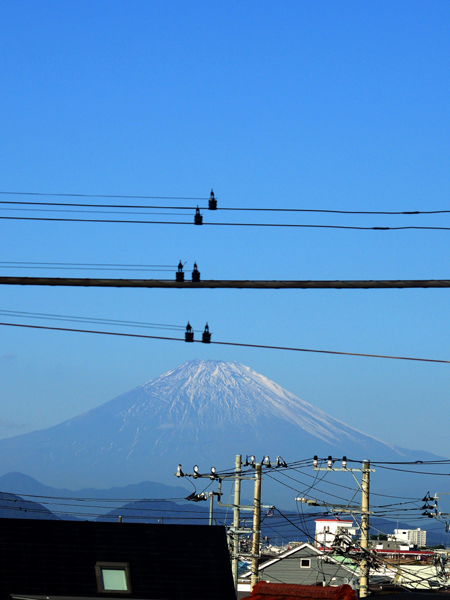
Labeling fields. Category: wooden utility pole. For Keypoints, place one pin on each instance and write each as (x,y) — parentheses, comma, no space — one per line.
(236,530)
(256,526)
(236,518)
(364,566)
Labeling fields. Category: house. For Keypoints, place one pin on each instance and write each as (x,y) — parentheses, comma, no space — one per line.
(304,565)
(327,529)
(86,559)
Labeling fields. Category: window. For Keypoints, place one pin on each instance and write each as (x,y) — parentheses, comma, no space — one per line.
(305,563)
(113,578)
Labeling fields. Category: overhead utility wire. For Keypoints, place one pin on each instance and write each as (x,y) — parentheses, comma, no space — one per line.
(128,269)
(199,515)
(263,346)
(92,320)
(44,499)
(295,466)
(229,284)
(443,461)
(101,212)
(97,196)
(315,487)
(382,560)
(295,225)
(249,209)
(67,266)
(137,506)
(339,212)
(83,205)
(63,264)
(415,472)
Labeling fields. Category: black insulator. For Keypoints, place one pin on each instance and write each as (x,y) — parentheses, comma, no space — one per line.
(198,219)
(179,276)
(206,337)
(189,334)
(212,204)
(195,273)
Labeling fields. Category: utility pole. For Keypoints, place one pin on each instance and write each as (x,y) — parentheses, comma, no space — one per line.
(364,566)
(364,486)
(211,505)
(236,516)
(236,530)
(256,526)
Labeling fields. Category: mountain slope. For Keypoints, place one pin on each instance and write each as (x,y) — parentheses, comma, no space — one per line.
(202,412)
(15,507)
(96,501)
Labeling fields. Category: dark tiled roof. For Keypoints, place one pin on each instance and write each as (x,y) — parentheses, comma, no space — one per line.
(167,562)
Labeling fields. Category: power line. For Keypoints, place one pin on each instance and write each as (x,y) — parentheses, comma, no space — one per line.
(155,337)
(63,264)
(86,268)
(410,471)
(340,212)
(415,462)
(69,266)
(284,225)
(230,284)
(92,320)
(101,212)
(96,196)
(230,208)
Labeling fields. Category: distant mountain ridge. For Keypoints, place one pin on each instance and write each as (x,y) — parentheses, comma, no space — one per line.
(149,508)
(49,497)
(19,483)
(202,412)
(16,507)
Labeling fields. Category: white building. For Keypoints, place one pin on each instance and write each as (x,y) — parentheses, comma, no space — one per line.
(326,530)
(415,537)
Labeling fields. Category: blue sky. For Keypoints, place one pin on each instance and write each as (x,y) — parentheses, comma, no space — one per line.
(336,105)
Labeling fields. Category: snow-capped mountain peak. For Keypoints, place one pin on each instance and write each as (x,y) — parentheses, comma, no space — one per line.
(202,412)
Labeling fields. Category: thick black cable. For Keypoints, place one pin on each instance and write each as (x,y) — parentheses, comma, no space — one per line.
(338,212)
(249,209)
(295,225)
(156,337)
(247,284)
(97,212)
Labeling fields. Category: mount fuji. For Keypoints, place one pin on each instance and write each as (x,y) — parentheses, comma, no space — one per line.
(202,412)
